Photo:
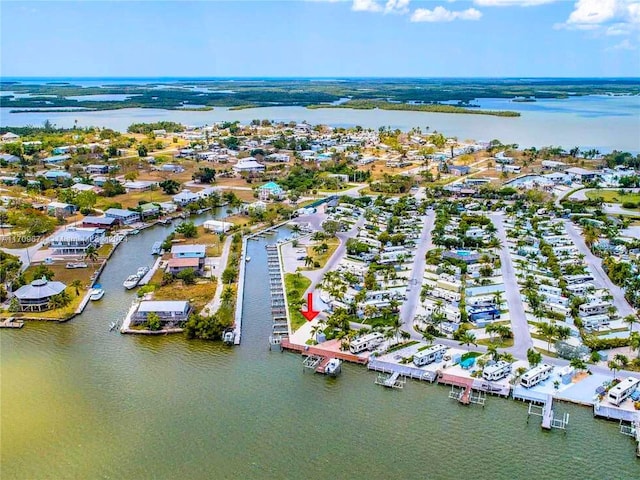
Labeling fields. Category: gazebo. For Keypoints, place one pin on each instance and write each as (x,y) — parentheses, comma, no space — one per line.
(35,297)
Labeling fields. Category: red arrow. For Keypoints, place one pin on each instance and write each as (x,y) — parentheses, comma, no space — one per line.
(310,314)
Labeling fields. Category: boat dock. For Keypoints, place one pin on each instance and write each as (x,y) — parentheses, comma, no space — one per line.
(310,350)
(541,405)
(147,277)
(279,310)
(237,332)
(404,370)
(393,380)
(12,323)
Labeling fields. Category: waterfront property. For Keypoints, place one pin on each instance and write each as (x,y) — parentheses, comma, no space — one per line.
(75,241)
(170,313)
(36,296)
(124,217)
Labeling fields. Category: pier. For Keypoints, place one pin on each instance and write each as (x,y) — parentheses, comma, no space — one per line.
(237,332)
(279,310)
(149,275)
(285,344)
(393,380)
(541,405)
(404,370)
(12,323)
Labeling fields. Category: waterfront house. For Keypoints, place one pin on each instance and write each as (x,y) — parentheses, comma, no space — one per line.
(36,296)
(60,209)
(169,312)
(168,207)
(124,217)
(188,251)
(106,223)
(149,210)
(270,191)
(217,226)
(177,265)
(582,175)
(184,198)
(75,241)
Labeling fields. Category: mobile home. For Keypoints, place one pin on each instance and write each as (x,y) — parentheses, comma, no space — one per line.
(496,371)
(623,390)
(429,355)
(366,342)
(536,375)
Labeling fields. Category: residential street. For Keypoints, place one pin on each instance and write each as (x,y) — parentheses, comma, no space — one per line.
(595,266)
(408,308)
(519,325)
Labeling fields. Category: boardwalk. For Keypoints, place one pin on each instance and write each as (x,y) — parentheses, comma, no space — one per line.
(309,350)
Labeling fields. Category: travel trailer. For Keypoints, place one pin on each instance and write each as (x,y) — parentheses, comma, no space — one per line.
(496,371)
(536,375)
(623,390)
(366,342)
(429,355)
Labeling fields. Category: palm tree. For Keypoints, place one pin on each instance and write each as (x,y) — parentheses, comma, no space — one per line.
(634,342)
(468,338)
(622,360)
(427,337)
(76,284)
(548,332)
(492,350)
(227,295)
(91,253)
(533,357)
(578,364)
(631,319)
(614,367)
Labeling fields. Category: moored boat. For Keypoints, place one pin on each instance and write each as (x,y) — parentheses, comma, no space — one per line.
(96,293)
(229,336)
(156,249)
(131,281)
(334,367)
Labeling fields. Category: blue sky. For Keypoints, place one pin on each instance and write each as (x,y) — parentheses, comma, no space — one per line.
(321,38)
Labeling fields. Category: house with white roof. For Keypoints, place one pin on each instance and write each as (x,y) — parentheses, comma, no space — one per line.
(9,137)
(248,165)
(185,197)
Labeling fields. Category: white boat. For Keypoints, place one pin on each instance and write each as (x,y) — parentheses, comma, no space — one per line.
(142,271)
(96,293)
(135,231)
(334,367)
(156,249)
(248,259)
(229,336)
(131,281)
(76,265)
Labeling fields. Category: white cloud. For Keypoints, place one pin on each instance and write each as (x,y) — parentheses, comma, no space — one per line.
(441,14)
(623,45)
(366,6)
(511,3)
(397,6)
(614,17)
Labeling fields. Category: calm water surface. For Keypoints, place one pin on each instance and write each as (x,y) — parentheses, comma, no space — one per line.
(602,122)
(81,402)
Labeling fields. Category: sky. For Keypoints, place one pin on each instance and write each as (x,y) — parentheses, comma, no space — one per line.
(321,38)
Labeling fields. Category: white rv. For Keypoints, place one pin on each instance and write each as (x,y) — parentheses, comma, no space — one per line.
(621,392)
(496,371)
(536,375)
(429,355)
(366,342)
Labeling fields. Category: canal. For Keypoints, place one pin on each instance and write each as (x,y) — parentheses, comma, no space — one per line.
(79,401)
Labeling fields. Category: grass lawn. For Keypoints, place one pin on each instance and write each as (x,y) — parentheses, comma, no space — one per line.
(198,295)
(210,239)
(132,199)
(323,258)
(612,196)
(380,321)
(295,285)
(506,343)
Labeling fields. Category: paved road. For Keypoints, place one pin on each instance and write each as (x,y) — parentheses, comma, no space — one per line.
(595,266)
(408,308)
(519,325)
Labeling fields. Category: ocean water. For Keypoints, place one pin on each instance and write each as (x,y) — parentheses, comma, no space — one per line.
(79,401)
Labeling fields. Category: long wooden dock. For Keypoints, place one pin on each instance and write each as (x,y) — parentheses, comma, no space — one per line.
(310,350)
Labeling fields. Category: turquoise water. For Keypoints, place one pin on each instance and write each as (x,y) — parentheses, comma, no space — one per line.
(81,402)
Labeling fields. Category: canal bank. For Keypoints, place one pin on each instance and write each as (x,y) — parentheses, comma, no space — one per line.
(73,394)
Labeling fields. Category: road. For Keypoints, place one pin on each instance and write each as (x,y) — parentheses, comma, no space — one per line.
(595,266)
(408,308)
(520,327)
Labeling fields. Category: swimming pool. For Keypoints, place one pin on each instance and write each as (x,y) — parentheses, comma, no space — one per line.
(528,180)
